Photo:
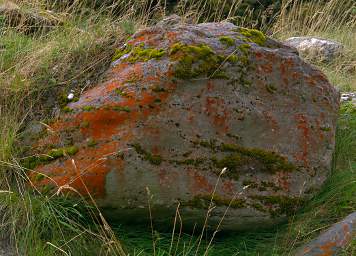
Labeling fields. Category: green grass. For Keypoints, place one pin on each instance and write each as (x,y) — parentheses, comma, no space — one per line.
(37,69)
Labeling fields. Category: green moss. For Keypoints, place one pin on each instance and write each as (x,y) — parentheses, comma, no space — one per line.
(226,40)
(57,153)
(47,188)
(39,177)
(258,207)
(121,108)
(241,156)
(244,48)
(211,144)
(191,161)
(67,109)
(284,205)
(157,100)
(203,201)
(158,89)
(271,162)
(231,162)
(236,137)
(63,100)
(219,75)
(139,53)
(325,129)
(121,92)
(91,143)
(232,59)
(271,88)
(198,60)
(84,124)
(33,161)
(145,54)
(121,52)
(250,183)
(267,184)
(153,159)
(253,35)
(88,108)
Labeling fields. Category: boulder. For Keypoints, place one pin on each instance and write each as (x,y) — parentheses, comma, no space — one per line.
(316,48)
(331,242)
(181,102)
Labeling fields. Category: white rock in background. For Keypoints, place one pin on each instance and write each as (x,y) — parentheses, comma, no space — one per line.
(349,96)
(70,96)
(315,48)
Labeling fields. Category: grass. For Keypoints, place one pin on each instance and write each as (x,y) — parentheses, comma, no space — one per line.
(38,68)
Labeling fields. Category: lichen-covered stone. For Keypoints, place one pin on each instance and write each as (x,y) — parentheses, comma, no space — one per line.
(333,241)
(179,103)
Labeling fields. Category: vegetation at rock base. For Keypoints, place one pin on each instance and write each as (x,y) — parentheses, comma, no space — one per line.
(38,65)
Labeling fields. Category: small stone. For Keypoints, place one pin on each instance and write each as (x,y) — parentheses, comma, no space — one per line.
(316,48)
(332,241)
(70,96)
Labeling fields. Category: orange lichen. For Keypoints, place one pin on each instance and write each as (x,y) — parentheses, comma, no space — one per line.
(218,113)
(303,126)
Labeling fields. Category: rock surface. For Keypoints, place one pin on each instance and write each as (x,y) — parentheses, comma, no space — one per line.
(180,103)
(332,241)
(316,48)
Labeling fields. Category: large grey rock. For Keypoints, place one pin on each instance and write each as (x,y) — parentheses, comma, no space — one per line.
(181,102)
(332,241)
(316,48)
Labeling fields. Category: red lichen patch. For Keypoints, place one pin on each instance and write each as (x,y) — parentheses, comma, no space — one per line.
(271,120)
(267,68)
(318,129)
(296,75)
(259,55)
(327,249)
(167,178)
(148,36)
(216,110)
(311,80)
(103,122)
(286,68)
(87,174)
(347,236)
(199,183)
(210,86)
(172,37)
(228,187)
(304,129)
